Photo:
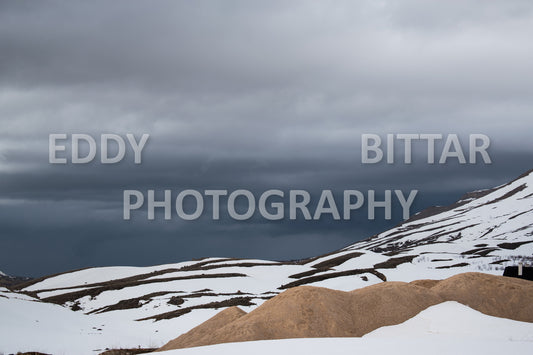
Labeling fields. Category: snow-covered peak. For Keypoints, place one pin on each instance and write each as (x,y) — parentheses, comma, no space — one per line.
(486,222)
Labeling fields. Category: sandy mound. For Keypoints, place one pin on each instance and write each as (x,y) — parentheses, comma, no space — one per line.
(205,329)
(425,283)
(498,296)
(306,312)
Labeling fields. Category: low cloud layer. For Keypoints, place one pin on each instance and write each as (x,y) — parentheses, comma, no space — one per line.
(247,95)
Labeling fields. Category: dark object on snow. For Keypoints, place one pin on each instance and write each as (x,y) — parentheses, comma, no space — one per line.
(512,271)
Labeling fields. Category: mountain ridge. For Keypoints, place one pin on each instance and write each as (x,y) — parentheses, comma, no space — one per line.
(485,231)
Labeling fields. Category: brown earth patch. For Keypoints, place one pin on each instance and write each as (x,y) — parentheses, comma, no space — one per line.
(452,266)
(236,301)
(330,275)
(306,274)
(393,262)
(174,300)
(326,265)
(513,246)
(479,252)
(209,266)
(508,194)
(498,262)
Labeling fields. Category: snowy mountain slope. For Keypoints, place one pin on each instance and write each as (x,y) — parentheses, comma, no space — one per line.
(26,324)
(503,214)
(483,232)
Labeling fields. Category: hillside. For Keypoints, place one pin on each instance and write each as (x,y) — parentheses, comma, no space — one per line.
(483,232)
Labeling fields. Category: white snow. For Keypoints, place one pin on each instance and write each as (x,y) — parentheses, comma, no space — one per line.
(460,321)
(438,345)
(28,325)
(6,293)
(95,275)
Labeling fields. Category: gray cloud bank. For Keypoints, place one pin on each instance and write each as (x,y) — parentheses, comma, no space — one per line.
(239,94)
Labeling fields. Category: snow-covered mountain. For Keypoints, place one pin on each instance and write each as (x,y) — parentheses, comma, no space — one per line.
(483,232)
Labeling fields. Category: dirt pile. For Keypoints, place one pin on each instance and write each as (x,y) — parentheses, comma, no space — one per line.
(498,296)
(204,330)
(319,312)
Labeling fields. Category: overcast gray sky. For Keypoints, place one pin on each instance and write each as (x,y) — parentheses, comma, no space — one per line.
(252,95)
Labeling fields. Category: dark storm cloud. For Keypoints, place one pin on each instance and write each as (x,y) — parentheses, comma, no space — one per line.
(239,94)
(197,172)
